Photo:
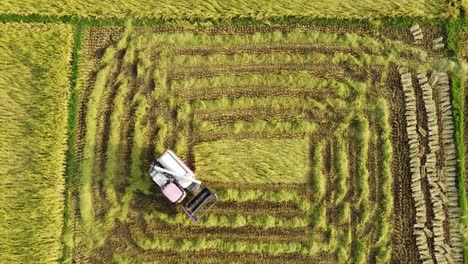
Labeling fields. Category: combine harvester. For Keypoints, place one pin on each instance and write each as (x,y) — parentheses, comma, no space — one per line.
(174,178)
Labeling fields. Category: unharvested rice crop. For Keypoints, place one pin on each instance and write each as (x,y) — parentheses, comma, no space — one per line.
(223,9)
(34,93)
(253,161)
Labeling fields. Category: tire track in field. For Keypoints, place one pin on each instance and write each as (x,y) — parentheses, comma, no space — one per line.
(268,48)
(234,92)
(247,233)
(325,71)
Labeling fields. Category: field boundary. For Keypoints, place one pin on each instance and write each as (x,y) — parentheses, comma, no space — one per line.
(458,104)
(453,30)
(80,23)
(67,233)
(103,22)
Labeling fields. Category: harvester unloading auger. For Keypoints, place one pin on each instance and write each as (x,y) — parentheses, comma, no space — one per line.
(174,178)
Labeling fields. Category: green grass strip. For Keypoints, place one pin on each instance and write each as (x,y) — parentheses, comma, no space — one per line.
(341,237)
(385,182)
(183,121)
(160,77)
(318,182)
(338,58)
(235,195)
(340,169)
(67,235)
(362,59)
(89,158)
(137,180)
(231,221)
(164,128)
(458,113)
(201,244)
(341,241)
(293,80)
(343,210)
(318,218)
(258,126)
(362,174)
(359,250)
(139,137)
(275,103)
(93,228)
(453,30)
(112,153)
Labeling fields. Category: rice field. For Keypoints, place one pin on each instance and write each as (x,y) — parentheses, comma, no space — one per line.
(221,9)
(34,94)
(331,132)
(293,127)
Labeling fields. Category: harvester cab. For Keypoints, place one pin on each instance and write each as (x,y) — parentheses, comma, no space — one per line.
(174,178)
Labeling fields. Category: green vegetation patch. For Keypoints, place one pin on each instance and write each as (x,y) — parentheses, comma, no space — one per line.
(253,160)
(34,92)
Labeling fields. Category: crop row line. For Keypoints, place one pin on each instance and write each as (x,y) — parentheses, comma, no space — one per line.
(204,137)
(231,221)
(420,228)
(183,128)
(266,114)
(89,159)
(340,168)
(361,60)
(113,145)
(321,70)
(292,80)
(362,173)
(318,181)
(263,195)
(137,181)
(450,163)
(297,36)
(383,253)
(297,78)
(437,197)
(276,103)
(237,127)
(359,250)
(181,245)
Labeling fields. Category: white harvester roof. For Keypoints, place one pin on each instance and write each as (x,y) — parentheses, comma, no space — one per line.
(171,162)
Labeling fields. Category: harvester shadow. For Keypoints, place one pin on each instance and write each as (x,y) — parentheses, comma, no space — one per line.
(158,202)
(154,199)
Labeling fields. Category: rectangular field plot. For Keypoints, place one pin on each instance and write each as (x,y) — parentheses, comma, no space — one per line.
(218,9)
(295,127)
(253,161)
(34,93)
